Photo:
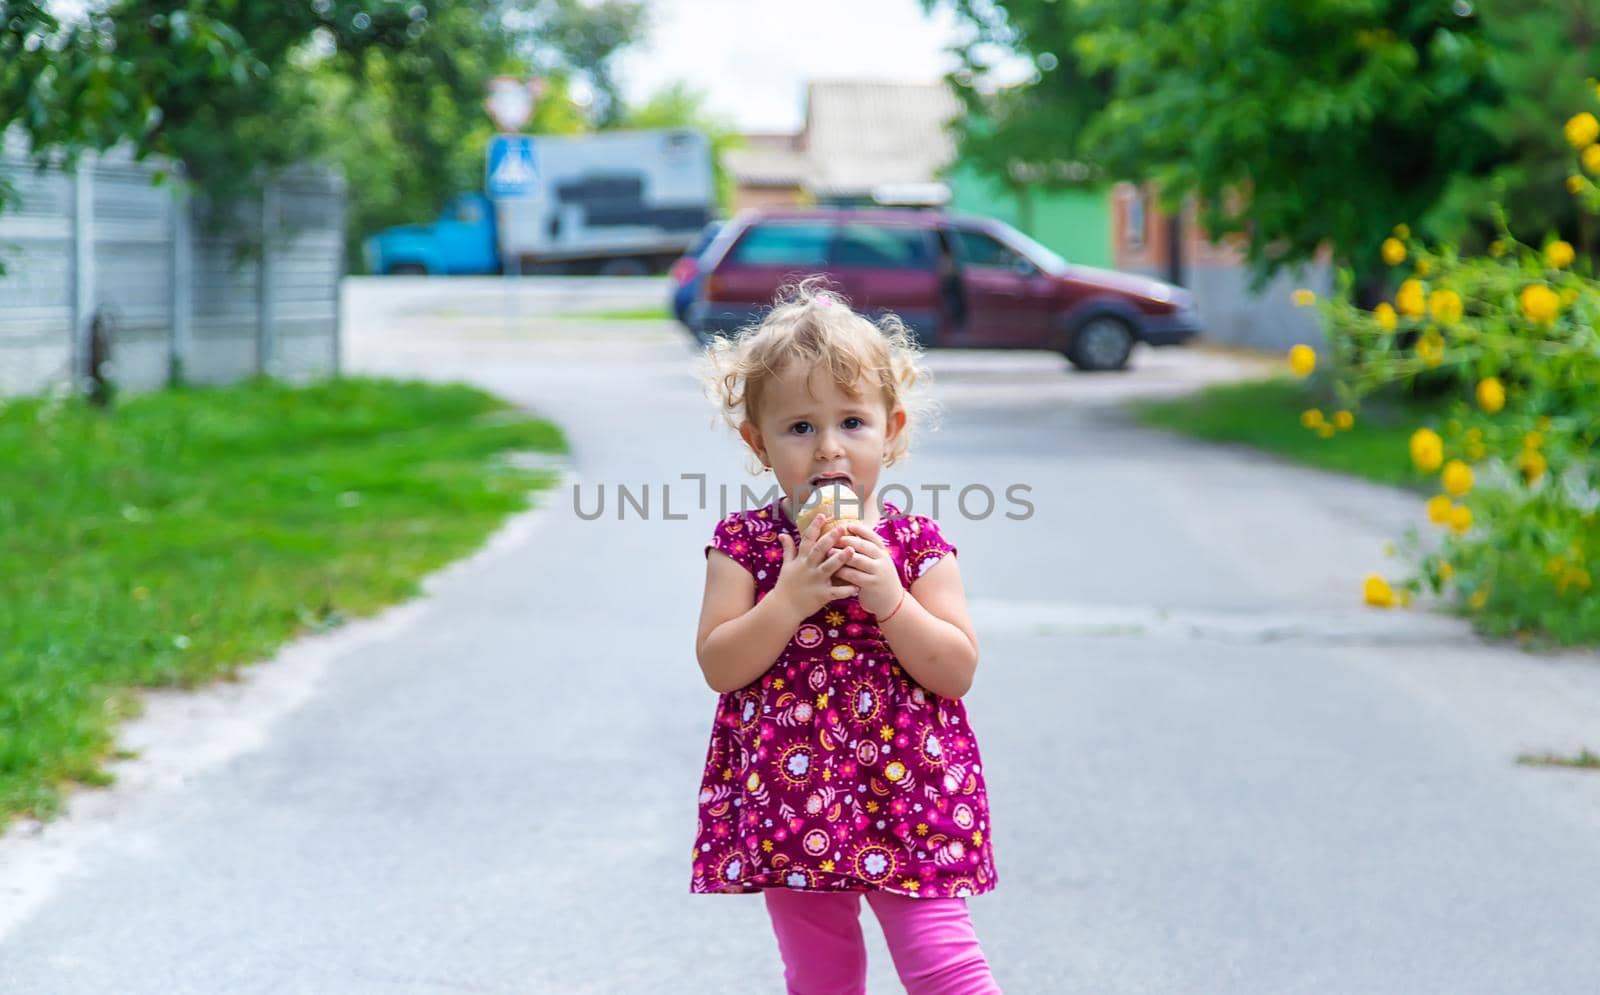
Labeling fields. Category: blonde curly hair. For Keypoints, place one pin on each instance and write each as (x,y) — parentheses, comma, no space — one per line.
(813,326)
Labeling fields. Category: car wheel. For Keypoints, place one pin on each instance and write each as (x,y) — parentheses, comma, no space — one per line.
(1101,343)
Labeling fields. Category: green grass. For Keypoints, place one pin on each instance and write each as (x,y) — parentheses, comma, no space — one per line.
(186,533)
(1583,758)
(1265,414)
(658,313)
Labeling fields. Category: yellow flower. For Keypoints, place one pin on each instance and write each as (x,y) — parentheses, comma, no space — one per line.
(1410,299)
(977,837)
(1377,592)
(1430,348)
(1591,158)
(766,846)
(1439,509)
(1445,306)
(1344,419)
(1491,394)
(1574,184)
(1582,129)
(826,866)
(885,733)
(1302,360)
(1446,571)
(1457,477)
(1427,449)
(1531,463)
(1303,298)
(1558,254)
(1394,251)
(1311,418)
(1533,440)
(1326,431)
(1424,267)
(777,683)
(1540,303)
(1498,248)
(1402,231)
(922,829)
(1460,519)
(1384,313)
(1478,599)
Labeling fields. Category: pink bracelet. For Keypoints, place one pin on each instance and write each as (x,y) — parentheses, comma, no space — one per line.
(897,605)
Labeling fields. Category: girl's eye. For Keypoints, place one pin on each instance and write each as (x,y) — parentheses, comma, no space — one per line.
(858,422)
(795,427)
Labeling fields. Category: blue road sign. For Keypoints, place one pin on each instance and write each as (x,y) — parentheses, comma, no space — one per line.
(511,170)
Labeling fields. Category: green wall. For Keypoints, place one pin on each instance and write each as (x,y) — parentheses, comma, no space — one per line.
(1075,223)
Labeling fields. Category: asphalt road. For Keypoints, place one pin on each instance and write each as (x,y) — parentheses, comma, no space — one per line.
(1211,770)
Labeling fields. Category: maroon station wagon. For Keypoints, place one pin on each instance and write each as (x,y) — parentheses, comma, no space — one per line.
(956,281)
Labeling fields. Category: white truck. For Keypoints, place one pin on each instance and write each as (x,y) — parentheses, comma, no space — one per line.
(612,202)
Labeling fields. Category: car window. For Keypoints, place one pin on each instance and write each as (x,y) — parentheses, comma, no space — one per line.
(978,249)
(776,244)
(883,246)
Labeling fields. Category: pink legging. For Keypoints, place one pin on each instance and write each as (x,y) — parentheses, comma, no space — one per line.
(932,942)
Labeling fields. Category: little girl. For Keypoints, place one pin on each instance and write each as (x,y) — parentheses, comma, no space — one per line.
(841,760)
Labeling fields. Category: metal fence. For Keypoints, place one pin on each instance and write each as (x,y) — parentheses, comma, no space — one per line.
(172,294)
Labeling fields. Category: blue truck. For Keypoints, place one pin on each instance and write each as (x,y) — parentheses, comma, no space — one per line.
(615,203)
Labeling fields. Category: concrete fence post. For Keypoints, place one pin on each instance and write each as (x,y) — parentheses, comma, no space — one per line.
(180,342)
(265,319)
(83,288)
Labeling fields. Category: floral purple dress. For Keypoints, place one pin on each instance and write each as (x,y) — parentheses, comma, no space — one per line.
(836,770)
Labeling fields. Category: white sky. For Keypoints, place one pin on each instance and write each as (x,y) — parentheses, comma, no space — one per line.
(752,58)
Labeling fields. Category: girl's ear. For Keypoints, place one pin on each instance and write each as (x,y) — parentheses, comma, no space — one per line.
(752,438)
(897,422)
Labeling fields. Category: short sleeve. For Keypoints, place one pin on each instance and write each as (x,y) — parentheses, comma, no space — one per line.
(733,536)
(922,545)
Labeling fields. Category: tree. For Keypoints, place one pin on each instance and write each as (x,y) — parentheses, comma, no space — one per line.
(1296,126)
(392,90)
(1546,55)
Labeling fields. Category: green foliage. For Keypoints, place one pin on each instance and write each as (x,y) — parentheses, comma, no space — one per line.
(188,533)
(1514,333)
(1024,134)
(390,90)
(1272,114)
(1542,54)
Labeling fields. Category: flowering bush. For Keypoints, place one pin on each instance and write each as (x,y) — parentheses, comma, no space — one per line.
(1512,333)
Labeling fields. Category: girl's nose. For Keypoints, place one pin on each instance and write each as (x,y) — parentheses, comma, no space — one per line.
(828,447)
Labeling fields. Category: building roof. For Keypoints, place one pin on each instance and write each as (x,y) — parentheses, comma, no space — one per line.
(858,135)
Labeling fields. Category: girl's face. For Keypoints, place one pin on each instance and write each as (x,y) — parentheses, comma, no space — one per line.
(810,428)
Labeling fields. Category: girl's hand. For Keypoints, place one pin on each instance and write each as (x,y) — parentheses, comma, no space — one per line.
(872,569)
(806,579)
